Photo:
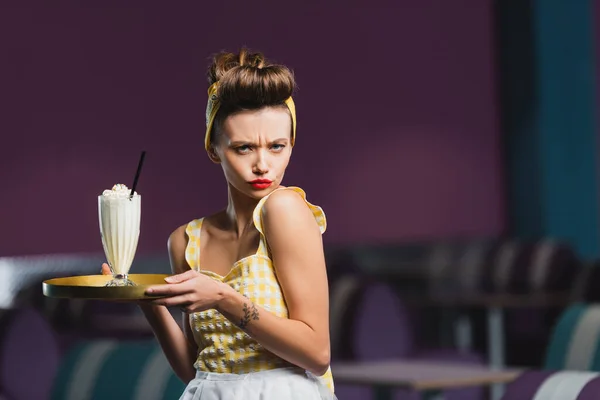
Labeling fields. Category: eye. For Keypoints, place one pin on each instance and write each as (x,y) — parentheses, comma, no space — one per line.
(243,149)
(277,147)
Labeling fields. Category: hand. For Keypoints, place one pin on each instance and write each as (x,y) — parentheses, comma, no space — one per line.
(105,269)
(191,291)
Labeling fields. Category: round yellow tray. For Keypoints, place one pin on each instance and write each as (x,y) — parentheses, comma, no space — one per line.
(93,287)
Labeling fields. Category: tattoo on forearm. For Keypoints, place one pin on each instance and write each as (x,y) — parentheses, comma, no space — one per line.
(250,313)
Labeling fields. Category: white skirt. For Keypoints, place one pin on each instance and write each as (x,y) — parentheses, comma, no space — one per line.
(275,384)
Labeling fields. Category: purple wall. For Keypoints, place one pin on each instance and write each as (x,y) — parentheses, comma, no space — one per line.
(397,133)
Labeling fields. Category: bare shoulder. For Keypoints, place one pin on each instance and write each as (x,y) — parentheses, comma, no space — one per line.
(284,201)
(178,239)
(177,243)
(287,209)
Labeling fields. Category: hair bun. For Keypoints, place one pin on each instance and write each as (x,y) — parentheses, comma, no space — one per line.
(251,60)
(248,80)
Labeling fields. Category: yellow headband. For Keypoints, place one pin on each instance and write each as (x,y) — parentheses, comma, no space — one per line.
(213,106)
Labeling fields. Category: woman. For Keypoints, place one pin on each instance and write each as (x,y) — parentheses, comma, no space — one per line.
(250,279)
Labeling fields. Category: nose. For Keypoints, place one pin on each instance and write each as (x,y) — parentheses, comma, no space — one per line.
(261,165)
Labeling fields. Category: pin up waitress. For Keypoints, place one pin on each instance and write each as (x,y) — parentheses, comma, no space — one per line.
(250,279)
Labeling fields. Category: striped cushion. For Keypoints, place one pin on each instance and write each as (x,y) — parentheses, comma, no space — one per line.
(546,385)
(574,341)
(116,370)
(472,262)
(554,266)
(522,267)
(510,259)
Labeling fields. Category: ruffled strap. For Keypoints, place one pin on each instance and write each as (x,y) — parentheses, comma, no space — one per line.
(257,217)
(192,250)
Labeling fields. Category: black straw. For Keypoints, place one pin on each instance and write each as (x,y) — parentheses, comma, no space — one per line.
(137,174)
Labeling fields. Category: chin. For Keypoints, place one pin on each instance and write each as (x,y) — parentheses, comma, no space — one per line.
(259,194)
(252,193)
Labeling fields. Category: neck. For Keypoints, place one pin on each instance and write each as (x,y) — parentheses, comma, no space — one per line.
(239,210)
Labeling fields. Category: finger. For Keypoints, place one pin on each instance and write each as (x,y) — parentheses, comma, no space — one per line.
(105,269)
(170,289)
(187,275)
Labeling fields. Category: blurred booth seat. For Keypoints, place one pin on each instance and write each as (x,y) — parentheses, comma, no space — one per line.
(29,355)
(127,370)
(554,385)
(370,321)
(33,365)
(575,339)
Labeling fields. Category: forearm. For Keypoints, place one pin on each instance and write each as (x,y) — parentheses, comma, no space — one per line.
(292,340)
(179,352)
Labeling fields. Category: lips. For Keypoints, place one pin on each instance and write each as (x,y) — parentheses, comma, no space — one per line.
(261,183)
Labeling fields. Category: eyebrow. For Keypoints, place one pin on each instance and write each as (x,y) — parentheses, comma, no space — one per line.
(243,142)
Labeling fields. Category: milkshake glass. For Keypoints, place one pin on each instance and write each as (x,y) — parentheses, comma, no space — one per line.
(119,217)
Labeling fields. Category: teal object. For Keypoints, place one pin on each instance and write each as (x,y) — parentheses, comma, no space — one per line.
(562,334)
(67,366)
(548,105)
(129,370)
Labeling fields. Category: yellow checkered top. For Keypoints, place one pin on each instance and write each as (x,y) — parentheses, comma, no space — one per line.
(222,346)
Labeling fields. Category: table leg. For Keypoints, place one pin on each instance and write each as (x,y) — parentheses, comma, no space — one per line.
(432,395)
(495,328)
(383,393)
(463,333)
(446,322)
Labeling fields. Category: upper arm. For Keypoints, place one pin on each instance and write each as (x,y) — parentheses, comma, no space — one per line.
(296,247)
(176,246)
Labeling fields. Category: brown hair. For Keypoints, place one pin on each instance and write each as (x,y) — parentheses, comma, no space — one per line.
(247,81)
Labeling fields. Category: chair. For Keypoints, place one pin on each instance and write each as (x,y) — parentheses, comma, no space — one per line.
(554,385)
(575,338)
(29,355)
(102,369)
(370,322)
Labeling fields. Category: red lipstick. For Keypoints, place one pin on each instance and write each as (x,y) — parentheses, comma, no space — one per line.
(261,183)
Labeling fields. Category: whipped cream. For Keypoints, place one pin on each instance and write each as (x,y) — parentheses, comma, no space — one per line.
(118,191)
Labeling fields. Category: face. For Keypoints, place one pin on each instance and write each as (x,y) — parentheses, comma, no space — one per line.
(254,149)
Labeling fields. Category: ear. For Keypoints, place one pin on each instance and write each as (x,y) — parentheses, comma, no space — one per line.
(212,154)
